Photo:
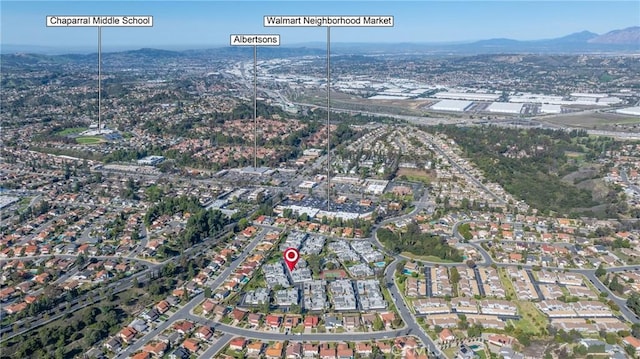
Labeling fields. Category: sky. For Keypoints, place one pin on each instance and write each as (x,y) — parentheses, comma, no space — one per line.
(197,24)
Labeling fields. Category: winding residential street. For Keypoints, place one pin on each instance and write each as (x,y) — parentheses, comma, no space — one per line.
(184,312)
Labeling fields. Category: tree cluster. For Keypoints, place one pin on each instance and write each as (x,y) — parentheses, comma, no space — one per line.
(414,241)
(529,164)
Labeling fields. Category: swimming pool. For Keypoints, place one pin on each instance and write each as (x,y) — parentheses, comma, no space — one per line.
(380,264)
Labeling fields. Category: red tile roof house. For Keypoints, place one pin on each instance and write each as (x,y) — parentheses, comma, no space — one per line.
(273,321)
(220,310)
(163,306)
(208,305)
(42,278)
(204,333)
(387,318)
(238,314)
(291,322)
(237,343)
(294,350)
(16,307)
(446,335)
(384,347)
(127,334)
(183,327)
(344,352)
(364,348)
(310,321)
(191,345)
(326,352)
(156,349)
(634,342)
(254,319)
(255,348)
(30,299)
(310,350)
(141,355)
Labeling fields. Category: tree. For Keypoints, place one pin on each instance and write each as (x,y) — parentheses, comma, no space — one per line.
(475,330)
(600,272)
(243,223)
(524,339)
(615,285)
(633,302)
(462,323)
(265,307)
(295,309)
(81,260)
(378,325)
(630,350)
(454,276)
(314,263)
(207,292)
(635,330)
(611,338)
(580,350)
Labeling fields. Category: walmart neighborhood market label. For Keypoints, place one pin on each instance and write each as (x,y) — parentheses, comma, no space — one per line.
(342,21)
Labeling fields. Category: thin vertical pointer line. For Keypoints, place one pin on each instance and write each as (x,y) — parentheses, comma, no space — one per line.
(255,106)
(328,118)
(99,78)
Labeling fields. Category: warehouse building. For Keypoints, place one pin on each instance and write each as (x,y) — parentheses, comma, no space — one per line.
(633,111)
(470,96)
(452,105)
(505,107)
(548,108)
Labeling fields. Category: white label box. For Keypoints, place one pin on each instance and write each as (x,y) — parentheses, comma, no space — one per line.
(254,40)
(99,21)
(329,20)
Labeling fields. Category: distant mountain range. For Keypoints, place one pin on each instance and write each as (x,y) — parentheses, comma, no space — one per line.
(624,40)
(629,37)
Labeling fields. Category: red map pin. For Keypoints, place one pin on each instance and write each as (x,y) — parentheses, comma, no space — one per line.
(291,257)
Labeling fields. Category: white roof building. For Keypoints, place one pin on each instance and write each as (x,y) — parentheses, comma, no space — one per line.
(547,108)
(633,111)
(471,96)
(452,105)
(505,107)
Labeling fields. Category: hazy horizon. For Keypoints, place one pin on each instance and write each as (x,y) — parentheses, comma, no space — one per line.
(204,24)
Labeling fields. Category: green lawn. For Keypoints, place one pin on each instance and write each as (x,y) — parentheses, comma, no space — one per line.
(89,140)
(532,321)
(506,283)
(426,258)
(626,258)
(450,352)
(72,131)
